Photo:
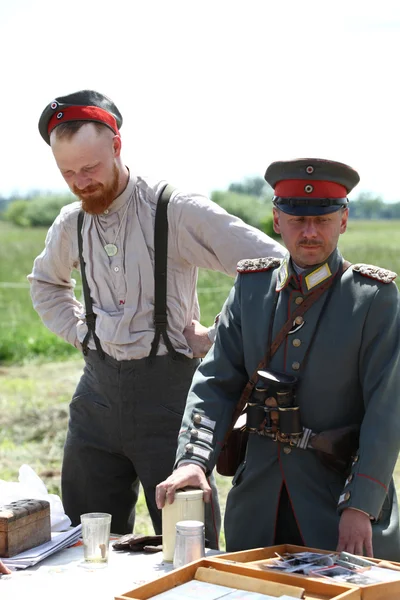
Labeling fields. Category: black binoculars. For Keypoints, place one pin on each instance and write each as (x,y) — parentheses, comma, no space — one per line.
(272,407)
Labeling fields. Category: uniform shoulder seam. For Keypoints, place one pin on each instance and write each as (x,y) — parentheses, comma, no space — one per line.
(373,272)
(257,265)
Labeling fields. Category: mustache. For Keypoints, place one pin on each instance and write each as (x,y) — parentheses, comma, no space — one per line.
(88,190)
(305,242)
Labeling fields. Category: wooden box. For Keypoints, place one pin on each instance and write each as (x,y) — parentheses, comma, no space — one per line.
(24,524)
(251,559)
(314,589)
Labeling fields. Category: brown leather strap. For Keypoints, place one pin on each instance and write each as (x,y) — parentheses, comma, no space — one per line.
(304,306)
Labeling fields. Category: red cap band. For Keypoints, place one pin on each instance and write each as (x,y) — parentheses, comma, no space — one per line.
(304,188)
(82,113)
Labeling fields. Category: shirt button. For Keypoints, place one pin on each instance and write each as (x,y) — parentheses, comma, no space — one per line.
(299,320)
(295,366)
(116,269)
(296,342)
(299,300)
(106,211)
(287,449)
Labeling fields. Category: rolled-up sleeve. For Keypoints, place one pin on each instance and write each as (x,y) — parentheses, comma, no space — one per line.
(52,288)
(209,237)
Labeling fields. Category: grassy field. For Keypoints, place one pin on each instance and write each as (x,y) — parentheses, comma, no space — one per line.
(35,387)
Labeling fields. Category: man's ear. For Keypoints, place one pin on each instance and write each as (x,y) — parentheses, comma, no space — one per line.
(117,145)
(277,228)
(343,220)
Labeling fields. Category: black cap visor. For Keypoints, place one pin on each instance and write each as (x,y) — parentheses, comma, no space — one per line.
(309,207)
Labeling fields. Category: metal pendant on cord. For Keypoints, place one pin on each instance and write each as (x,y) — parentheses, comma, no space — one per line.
(112,249)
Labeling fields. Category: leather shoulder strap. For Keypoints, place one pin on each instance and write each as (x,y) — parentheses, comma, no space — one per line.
(313,297)
(90,315)
(160,273)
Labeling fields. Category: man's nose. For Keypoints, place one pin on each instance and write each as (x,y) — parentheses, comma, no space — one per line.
(309,229)
(82,181)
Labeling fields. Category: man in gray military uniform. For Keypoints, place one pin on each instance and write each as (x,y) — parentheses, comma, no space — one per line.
(141,342)
(331,330)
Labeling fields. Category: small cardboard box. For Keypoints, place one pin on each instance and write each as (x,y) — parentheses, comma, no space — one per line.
(24,524)
(252,559)
(314,589)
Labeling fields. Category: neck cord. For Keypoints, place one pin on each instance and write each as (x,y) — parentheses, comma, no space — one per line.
(112,249)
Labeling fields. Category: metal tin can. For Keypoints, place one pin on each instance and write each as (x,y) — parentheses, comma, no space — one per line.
(189,544)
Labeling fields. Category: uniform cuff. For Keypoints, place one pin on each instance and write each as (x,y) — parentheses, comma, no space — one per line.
(363,493)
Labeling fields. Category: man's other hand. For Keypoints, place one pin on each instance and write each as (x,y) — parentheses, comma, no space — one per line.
(355,533)
(3,569)
(197,338)
(188,474)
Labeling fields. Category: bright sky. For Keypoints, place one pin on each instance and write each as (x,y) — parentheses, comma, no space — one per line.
(211,91)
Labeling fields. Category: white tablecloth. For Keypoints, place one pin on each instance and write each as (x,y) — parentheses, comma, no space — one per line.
(60,577)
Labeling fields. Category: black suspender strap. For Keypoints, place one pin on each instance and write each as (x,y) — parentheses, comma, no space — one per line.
(90,316)
(160,274)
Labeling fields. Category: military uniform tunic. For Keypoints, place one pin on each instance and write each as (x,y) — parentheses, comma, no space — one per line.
(345,350)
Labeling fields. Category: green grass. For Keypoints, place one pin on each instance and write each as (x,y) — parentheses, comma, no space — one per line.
(23,337)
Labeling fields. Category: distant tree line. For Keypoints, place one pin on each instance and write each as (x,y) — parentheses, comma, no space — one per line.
(249,199)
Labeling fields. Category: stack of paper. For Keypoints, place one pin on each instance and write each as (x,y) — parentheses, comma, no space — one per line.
(58,541)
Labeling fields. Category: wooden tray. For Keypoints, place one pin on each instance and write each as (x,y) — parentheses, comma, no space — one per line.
(315,589)
(249,558)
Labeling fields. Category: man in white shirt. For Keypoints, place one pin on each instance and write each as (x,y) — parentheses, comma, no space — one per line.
(126,412)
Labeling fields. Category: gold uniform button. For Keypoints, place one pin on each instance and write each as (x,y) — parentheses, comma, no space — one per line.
(189,447)
(349,479)
(299,320)
(355,459)
(194,432)
(346,496)
(296,366)
(299,300)
(197,418)
(287,449)
(296,342)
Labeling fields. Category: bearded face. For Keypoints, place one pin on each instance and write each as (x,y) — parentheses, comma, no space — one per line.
(97,197)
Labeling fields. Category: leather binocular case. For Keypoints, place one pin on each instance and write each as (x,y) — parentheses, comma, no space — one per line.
(272,408)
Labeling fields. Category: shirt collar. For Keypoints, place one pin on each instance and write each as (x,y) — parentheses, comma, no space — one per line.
(311,278)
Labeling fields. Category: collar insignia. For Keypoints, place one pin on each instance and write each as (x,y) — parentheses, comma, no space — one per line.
(317,276)
(283,274)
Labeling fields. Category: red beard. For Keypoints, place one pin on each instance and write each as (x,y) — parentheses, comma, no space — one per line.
(97,198)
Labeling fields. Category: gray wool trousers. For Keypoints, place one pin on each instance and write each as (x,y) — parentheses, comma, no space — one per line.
(124,422)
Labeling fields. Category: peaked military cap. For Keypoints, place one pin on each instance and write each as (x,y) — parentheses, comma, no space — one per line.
(310,186)
(85,105)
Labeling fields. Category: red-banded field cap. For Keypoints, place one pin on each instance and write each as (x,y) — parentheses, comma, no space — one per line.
(310,186)
(85,105)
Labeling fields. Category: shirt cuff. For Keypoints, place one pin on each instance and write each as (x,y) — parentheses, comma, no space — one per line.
(212,331)
(190,462)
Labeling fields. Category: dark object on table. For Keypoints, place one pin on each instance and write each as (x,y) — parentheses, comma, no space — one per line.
(139,543)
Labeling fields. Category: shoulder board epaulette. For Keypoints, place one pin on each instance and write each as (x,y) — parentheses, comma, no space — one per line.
(383,275)
(255,265)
